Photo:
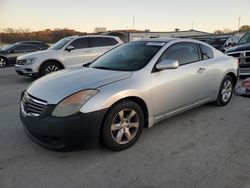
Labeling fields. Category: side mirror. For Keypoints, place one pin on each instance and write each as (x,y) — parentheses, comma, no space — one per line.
(12,51)
(167,64)
(69,48)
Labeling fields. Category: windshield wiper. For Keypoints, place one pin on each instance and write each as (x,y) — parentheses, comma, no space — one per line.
(87,64)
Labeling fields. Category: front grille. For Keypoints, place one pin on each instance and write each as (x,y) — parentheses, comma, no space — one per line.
(20,62)
(244,56)
(32,106)
(244,71)
(234,54)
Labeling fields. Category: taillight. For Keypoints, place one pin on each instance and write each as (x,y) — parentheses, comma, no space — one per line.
(237,60)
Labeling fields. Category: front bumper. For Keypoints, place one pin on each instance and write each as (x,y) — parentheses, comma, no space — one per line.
(29,70)
(59,133)
(244,69)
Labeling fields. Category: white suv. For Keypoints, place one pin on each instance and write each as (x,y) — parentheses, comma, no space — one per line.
(69,51)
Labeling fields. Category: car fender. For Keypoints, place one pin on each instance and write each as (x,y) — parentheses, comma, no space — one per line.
(112,93)
(52,59)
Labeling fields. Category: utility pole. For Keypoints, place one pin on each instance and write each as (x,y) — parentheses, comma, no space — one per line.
(239,25)
(192,25)
(133,23)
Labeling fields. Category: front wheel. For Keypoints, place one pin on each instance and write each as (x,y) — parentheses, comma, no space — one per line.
(3,62)
(123,125)
(49,67)
(225,92)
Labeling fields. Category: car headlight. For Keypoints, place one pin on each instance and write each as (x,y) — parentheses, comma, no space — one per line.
(73,103)
(30,61)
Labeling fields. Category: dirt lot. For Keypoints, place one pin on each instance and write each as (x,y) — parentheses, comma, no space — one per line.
(205,147)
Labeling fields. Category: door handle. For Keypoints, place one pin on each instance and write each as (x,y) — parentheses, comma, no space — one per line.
(201,70)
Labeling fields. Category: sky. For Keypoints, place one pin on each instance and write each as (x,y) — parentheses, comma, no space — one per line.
(156,15)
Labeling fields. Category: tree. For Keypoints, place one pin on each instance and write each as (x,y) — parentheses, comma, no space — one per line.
(244,28)
(226,31)
(100,29)
(218,32)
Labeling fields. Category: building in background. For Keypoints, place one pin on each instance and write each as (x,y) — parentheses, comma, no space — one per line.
(133,36)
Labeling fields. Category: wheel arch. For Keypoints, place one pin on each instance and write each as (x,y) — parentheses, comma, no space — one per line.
(138,101)
(234,77)
(51,60)
(1,56)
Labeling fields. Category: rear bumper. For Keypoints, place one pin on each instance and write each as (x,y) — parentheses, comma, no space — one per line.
(59,133)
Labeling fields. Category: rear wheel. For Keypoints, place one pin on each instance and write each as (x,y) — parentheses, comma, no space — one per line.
(225,92)
(123,125)
(3,62)
(49,67)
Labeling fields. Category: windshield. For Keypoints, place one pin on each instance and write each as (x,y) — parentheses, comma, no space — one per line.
(128,57)
(245,39)
(60,44)
(7,48)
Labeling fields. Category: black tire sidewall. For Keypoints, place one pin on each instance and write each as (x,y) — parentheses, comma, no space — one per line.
(106,129)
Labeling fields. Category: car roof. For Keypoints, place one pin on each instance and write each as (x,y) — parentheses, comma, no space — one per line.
(162,39)
(32,41)
(83,36)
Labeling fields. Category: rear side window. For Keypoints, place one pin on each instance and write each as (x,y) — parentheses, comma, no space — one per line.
(207,53)
(80,43)
(184,52)
(26,48)
(102,41)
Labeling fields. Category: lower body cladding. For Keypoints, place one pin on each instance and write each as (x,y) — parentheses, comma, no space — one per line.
(58,133)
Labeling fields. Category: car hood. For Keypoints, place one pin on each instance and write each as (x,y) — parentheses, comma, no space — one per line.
(3,52)
(39,54)
(242,47)
(56,86)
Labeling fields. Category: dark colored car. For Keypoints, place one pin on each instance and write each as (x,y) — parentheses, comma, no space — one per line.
(222,43)
(242,52)
(218,42)
(9,54)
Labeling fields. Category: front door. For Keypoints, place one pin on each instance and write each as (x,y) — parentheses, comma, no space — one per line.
(80,55)
(174,89)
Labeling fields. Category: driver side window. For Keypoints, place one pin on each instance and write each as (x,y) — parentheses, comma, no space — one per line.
(183,52)
(80,43)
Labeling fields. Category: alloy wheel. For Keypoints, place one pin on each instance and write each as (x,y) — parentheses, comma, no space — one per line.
(2,62)
(226,91)
(51,68)
(125,126)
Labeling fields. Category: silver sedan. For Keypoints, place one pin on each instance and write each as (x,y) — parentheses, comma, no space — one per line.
(131,87)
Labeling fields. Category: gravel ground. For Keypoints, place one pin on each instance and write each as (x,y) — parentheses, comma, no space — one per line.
(204,147)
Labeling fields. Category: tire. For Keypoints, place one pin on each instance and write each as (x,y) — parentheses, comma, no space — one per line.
(225,92)
(3,62)
(49,67)
(120,131)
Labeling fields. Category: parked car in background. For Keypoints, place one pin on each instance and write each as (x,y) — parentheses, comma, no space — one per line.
(69,51)
(9,54)
(222,43)
(130,87)
(242,52)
